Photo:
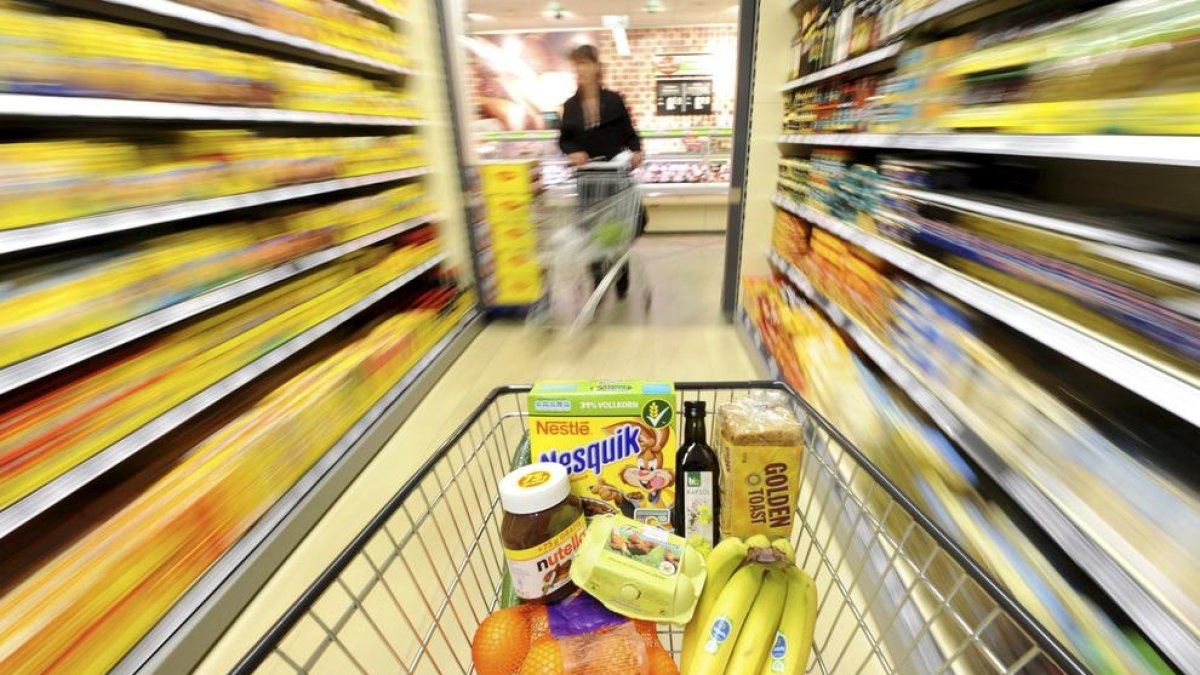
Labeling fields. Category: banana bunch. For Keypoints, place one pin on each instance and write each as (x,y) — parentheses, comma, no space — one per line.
(756,614)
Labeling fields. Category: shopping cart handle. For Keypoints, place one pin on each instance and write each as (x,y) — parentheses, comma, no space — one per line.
(602,164)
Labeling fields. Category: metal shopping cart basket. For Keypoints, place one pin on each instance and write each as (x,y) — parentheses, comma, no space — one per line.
(896,595)
(587,228)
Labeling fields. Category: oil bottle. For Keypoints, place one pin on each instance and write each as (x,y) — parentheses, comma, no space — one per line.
(698,475)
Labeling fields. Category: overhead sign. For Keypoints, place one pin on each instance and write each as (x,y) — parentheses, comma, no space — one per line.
(684,97)
(683,66)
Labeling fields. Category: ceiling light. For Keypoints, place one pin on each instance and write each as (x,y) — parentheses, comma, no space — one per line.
(654,7)
(617,25)
(556,10)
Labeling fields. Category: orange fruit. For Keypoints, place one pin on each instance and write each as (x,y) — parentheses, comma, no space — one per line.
(545,658)
(539,623)
(501,642)
(661,662)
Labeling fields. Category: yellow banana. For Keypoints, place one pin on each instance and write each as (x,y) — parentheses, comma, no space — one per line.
(784,546)
(758,541)
(728,616)
(724,560)
(793,641)
(758,633)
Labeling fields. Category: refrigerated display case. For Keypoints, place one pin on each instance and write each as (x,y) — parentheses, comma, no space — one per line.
(684,180)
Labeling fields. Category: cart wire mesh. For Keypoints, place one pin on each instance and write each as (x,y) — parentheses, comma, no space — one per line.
(896,595)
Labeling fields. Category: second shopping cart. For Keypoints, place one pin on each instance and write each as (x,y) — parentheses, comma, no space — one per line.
(589,225)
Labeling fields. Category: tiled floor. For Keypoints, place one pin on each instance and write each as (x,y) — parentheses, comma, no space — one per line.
(682,338)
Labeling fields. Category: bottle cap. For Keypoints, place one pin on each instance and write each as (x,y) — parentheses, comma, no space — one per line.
(693,408)
(534,488)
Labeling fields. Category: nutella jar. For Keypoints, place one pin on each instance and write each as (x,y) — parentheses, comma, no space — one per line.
(542,528)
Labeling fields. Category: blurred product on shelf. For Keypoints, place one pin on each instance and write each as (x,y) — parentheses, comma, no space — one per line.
(96,597)
(63,424)
(509,266)
(831,31)
(47,53)
(1132,67)
(326,21)
(51,301)
(1078,274)
(49,180)
(832,108)
(875,416)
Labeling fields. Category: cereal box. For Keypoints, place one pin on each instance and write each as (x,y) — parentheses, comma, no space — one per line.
(616,439)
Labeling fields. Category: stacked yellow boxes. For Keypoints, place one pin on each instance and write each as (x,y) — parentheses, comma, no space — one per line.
(509,190)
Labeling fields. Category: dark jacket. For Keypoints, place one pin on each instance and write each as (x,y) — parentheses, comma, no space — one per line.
(612,135)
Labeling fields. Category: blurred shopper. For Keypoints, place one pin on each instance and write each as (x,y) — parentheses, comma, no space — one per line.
(596,125)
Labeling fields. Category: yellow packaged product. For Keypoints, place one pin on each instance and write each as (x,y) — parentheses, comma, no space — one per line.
(760,445)
(617,440)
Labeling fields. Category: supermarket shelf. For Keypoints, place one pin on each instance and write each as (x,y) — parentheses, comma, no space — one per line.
(194,20)
(753,340)
(81,107)
(54,492)
(377,8)
(26,238)
(1170,389)
(185,634)
(1045,222)
(943,9)
(672,189)
(1165,150)
(1110,241)
(55,360)
(551,135)
(871,58)
(1088,551)
(649,159)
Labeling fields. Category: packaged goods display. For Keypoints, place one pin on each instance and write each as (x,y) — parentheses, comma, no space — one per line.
(932,472)
(1081,273)
(1127,68)
(49,53)
(46,181)
(329,22)
(831,31)
(508,261)
(54,301)
(221,289)
(616,438)
(91,601)
(63,426)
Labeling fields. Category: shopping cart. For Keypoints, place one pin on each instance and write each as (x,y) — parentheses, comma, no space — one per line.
(896,595)
(587,226)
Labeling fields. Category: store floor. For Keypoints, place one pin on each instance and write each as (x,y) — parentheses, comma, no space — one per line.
(683,338)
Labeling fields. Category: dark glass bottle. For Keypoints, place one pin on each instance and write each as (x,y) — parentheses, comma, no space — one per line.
(698,477)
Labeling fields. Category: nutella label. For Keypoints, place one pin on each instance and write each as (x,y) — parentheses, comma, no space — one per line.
(540,570)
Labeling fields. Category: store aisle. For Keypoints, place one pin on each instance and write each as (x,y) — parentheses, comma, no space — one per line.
(683,273)
(685,341)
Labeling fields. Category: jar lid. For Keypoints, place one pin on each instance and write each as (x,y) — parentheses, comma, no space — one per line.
(534,488)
